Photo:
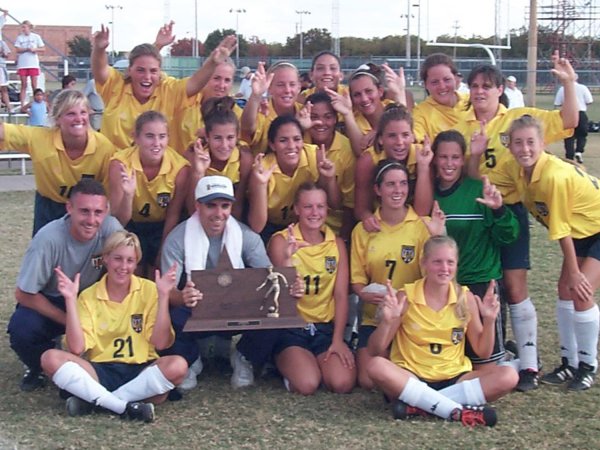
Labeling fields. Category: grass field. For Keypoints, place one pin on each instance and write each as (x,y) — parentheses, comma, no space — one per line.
(266,416)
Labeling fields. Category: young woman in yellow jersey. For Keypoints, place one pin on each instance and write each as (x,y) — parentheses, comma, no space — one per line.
(444,106)
(276,177)
(282,84)
(118,323)
(485,127)
(391,253)
(148,186)
(305,357)
(144,86)
(393,140)
(566,200)
(62,154)
(221,155)
(427,324)
(325,72)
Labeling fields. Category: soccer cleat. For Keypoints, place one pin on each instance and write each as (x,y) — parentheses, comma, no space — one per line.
(528,380)
(471,416)
(561,374)
(403,411)
(243,373)
(78,407)
(583,378)
(140,411)
(579,157)
(32,381)
(190,381)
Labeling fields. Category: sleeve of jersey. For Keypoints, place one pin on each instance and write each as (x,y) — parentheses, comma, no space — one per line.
(17,137)
(554,129)
(346,181)
(504,227)
(86,317)
(113,84)
(176,90)
(259,139)
(358,256)
(558,192)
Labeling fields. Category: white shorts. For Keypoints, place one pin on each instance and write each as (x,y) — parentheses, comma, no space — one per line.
(3,76)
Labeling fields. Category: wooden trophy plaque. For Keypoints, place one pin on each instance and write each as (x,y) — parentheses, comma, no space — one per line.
(231,300)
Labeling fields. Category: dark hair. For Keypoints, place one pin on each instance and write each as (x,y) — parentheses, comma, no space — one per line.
(307,186)
(321,97)
(87,186)
(278,123)
(437,59)
(492,74)
(304,76)
(38,91)
(393,112)
(449,136)
(370,70)
(147,117)
(219,111)
(384,166)
(323,53)
(67,79)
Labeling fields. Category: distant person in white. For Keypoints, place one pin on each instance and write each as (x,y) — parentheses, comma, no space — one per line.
(584,98)
(461,86)
(245,84)
(3,18)
(28,45)
(514,94)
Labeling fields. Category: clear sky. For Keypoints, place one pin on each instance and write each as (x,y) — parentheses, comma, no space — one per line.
(274,20)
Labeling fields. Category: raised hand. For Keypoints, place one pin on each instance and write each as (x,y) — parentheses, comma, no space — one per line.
(166,283)
(341,103)
(293,244)
(396,83)
(303,117)
(260,174)
(392,306)
(165,35)
(437,225)
(68,288)
(200,158)
(101,38)
(261,80)
(224,49)
(479,141)
(492,198)
(424,154)
(326,166)
(489,306)
(563,69)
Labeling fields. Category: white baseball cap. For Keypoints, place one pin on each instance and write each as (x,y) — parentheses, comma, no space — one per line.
(245,70)
(511,78)
(216,186)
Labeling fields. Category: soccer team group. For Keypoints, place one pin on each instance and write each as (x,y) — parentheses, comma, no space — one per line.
(420,210)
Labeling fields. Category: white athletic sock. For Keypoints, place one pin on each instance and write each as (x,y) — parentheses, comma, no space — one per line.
(566,331)
(586,333)
(73,378)
(416,393)
(467,392)
(148,383)
(523,320)
(514,363)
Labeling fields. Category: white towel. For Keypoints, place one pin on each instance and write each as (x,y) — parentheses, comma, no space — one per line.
(196,244)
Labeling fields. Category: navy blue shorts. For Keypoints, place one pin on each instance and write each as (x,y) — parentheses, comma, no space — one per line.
(364,333)
(588,247)
(443,384)
(516,255)
(150,236)
(316,338)
(46,210)
(114,375)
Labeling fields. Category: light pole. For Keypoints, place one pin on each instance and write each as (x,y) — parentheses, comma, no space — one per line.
(301,13)
(408,17)
(418,5)
(195,45)
(237,32)
(112,25)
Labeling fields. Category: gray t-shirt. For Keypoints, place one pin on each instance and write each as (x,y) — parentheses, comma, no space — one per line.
(253,250)
(54,246)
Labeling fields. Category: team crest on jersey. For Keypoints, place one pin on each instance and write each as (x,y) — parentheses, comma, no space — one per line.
(542,209)
(504,139)
(97,262)
(330,264)
(407,253)
(137,321)
(458,334)
(163,199)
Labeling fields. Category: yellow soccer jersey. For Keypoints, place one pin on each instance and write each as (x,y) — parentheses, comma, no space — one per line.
(430,344)
(122,108)
(497,162)
(317,265)
(431,118)
(342,156)
(187,122)
(392,253)
(152,197)
(231,169)
(564,198)
(281,188)
(260,141)
(119,332)
(361,121)
(55,173)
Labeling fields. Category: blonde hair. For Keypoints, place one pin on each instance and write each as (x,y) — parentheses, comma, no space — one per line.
(65,100)
(461,310)
(526,121)
(123,238)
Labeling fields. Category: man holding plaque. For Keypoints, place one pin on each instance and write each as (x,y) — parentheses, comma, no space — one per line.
(197,244)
